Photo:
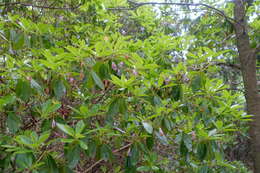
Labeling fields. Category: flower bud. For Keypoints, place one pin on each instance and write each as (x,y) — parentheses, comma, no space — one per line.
(114,66)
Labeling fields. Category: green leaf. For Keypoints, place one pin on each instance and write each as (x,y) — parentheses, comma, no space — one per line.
(24,140)
(106,152)
(129,168)
(44,136)
(23,89)
(59,88)
(155,168)
(203,169)
(92,148)
(177,92)
(24,160)
(197,82)
(113,107)
(187,141)
(65,140)
(122,105)
(157,100)
(150,142)
(143,168)
(161,136)
(134,154)
(104,71)
(72,155)
(5,100)
(49,107)
(183,149)
(83,145)
(66,129)
(13,122)
(202,151)
(97,80)
(51,165)
(36,86)
(79,127)
(148,127)
(18,41)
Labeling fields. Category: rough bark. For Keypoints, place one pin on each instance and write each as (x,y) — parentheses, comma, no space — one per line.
(247,58)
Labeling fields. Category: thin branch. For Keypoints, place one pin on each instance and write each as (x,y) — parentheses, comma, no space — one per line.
(135,5)
(232,89)
(99,161)
(39,6)
(234,66)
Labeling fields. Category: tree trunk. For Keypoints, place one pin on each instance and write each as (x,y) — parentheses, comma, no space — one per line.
(247,58)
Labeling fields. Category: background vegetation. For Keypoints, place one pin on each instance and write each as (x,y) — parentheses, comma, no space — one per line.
(118,86)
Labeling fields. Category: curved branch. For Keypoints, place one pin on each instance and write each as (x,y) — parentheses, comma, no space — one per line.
(135,5)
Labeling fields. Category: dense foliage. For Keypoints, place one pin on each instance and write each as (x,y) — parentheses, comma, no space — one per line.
(96,89)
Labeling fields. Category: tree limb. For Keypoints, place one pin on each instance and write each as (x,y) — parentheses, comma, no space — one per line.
(135,5)
(39,6)
(235,66)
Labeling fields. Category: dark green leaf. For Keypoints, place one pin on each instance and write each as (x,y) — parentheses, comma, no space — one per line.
(92,148)
(157,101)
(129,168)
(104,71)
(13,122)
(49,107)
(183,149)
(106,152)
(187,141)
(122,105)
(97,80)
(177,92)
(197,82)
(134,154)
(72,155)
(24,160)
(59,88)
(150,142)
(203,169)
(50,165)
(114,107)
(202,151)
(23,89)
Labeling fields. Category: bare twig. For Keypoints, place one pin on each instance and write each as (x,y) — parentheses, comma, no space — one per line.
(118,129)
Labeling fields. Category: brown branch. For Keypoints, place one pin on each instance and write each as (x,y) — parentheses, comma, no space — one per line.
(39,6)
(231,89)
(135,5)
(99,161)
(235,66)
